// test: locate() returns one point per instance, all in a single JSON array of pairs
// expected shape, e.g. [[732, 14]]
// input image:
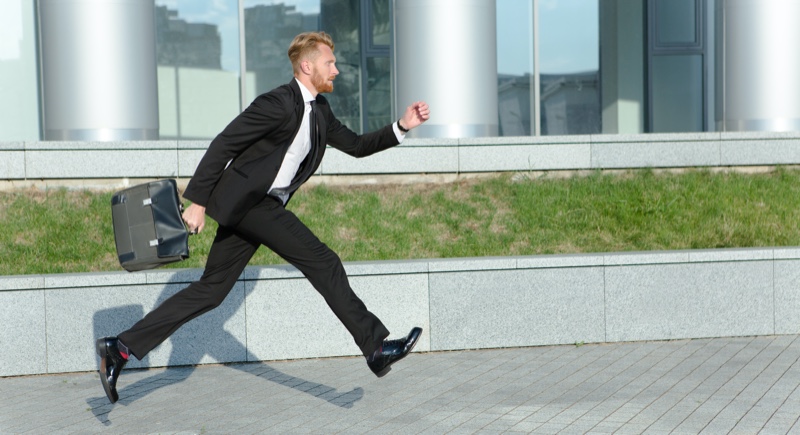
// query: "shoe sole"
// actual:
[[102, 351], [413, 338]]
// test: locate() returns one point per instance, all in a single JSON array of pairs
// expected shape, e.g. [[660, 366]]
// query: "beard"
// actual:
[[321, 85]]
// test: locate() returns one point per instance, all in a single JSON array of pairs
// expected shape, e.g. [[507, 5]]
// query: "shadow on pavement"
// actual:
[[188, 351]]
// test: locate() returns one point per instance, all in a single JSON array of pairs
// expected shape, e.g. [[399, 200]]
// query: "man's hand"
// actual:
[[195, 218], [416, 114]]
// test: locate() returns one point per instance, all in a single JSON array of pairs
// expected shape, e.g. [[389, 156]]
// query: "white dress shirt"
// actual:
[[298, 150]]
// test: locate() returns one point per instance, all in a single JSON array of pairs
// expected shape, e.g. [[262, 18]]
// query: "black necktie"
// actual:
[[312, 121]]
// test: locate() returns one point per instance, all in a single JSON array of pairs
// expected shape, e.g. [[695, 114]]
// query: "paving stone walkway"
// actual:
[[745, 385]]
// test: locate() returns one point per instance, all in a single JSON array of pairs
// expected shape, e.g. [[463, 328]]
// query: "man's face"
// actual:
[[323, 69]]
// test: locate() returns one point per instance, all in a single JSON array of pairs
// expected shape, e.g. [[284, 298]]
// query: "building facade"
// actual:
[[182, 69]]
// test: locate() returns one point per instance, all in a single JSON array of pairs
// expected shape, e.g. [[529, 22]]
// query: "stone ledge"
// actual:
[[12, 146], [98, 146], [171, 158], [405, 267]]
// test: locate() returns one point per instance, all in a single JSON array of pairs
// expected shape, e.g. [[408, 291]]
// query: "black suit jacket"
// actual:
[[255, 143]]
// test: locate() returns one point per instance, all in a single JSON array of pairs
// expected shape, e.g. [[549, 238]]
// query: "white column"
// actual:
[[445, 52], [760, 55], [98, 67]]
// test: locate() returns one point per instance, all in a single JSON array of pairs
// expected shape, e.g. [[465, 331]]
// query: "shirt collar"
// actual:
[[306, 93]]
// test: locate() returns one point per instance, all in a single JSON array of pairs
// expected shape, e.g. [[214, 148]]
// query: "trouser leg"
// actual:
[[280, 230], [227, 259]]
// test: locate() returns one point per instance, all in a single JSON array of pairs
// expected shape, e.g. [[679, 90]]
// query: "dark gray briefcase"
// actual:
[[148, 227]]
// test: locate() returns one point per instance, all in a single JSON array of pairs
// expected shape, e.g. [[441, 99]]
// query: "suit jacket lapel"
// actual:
[[299, 106]]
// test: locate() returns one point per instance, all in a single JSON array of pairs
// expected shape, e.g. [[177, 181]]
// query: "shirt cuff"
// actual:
[[399, 134]]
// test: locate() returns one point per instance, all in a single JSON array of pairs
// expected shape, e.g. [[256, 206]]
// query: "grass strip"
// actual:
[[61, 231]]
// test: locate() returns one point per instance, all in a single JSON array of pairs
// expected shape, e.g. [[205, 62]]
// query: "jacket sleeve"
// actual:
[[349, 142], [264, 114]]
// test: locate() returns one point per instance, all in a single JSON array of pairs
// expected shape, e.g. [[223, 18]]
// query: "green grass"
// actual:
[[58, 231]]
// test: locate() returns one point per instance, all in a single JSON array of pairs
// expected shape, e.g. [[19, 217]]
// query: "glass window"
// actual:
[[677, 94], [197, 50], [675, 22], [378, 93], [379, 11], [377, 80], [341, 19], [514, 66], [569, 66], [270, 27], [676, 69], [19, 96]]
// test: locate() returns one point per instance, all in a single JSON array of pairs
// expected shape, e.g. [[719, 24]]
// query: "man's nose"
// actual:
[[335, 71]]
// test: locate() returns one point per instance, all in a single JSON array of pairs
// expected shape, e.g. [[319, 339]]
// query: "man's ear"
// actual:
[[305, 66]]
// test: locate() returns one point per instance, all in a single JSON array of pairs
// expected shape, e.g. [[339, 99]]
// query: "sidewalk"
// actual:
[[721, 385]]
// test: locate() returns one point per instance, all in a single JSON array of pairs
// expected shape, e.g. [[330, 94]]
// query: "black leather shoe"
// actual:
[[381, 360], [111, 364]]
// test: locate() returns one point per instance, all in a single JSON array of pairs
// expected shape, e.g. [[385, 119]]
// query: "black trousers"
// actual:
[[271, 225]]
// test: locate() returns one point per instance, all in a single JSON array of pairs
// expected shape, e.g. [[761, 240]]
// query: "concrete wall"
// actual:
[[51, 321], [162, 159]]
